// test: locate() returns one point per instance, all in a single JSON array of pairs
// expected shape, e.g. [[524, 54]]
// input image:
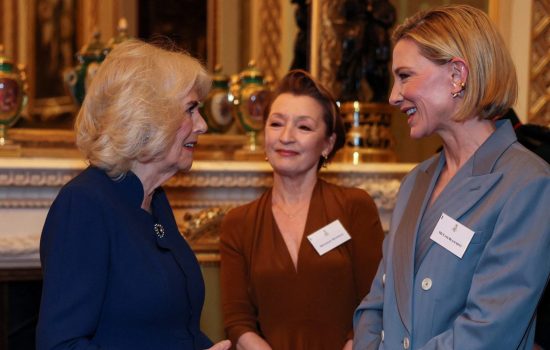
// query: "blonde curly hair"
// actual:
[[134, 104]]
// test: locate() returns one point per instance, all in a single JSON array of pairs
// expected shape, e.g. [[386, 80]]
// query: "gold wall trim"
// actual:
[[539, 98], [325, 43], [269, 60]]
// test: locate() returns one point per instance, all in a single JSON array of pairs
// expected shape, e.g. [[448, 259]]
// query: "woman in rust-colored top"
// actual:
[[290, 276]]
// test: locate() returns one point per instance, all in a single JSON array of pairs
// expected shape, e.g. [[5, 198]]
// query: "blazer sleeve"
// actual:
[[74, 252], [367, 319], [509, 278], [239, 312]]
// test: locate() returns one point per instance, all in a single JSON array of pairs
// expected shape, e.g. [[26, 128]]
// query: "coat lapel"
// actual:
[[184, 256], [472, 190], [181, 251], [477, 179], [404, 243]]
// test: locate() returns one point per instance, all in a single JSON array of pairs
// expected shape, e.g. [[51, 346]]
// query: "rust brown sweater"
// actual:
[[310, 307]]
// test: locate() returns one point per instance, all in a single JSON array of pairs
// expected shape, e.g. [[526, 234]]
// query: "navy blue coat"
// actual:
[[110, 282]]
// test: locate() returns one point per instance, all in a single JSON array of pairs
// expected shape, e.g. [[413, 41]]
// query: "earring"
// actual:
[[456, 94], [325, 160]]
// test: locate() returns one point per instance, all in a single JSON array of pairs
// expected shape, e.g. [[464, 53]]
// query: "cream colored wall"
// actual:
[[513, 18], [230, 24], [254, 32]]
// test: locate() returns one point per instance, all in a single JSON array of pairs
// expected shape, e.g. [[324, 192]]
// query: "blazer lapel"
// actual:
[[177, 248], [465, 196], [477, 177], [472, 189], [404, 243]]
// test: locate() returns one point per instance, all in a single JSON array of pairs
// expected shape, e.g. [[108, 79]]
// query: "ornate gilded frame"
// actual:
[[19, 25], [17, 34]]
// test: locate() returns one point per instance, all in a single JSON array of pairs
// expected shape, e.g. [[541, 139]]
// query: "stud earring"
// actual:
[[459, 92]]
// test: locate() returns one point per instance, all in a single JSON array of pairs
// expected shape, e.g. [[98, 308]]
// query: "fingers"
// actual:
[[222, 345]]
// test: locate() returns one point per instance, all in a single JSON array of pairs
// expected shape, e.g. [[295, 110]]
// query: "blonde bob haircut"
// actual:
[[462, 31], [134, 105]]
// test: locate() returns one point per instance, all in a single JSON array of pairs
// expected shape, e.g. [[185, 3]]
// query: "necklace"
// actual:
[[293, 215]]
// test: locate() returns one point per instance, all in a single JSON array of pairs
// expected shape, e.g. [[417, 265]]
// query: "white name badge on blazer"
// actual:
[[452, 235], [329, 237]]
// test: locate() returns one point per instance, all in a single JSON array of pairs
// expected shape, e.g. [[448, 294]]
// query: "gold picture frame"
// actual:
[[42, 35]]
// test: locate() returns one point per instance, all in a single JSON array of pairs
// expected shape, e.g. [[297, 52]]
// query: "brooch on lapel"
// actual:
[[159, 230]]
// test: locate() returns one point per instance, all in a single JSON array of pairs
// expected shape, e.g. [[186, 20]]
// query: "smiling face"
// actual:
[[422, 90], [295, 135], [180, 154]]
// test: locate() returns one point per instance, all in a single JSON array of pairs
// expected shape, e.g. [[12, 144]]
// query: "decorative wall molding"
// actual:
[[269, 59], [539, 99], [35, 178], [32, 183], [330, 44], [29, 185], [217, 179]]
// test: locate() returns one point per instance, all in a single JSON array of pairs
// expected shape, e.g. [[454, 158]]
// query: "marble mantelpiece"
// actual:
[[29, 185]]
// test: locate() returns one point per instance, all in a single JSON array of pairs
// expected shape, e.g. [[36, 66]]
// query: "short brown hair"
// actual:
[[463, 31]]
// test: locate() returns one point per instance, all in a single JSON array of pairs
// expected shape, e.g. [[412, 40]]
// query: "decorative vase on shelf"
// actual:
[[13, 98], [251, 96], [79, 77], [121, 35], [218, 103]]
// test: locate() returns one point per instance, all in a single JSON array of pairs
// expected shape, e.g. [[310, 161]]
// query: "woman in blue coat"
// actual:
[[117, 272], [466, 257]]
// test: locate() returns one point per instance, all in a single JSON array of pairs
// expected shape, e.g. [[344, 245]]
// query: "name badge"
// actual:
[[329, 237], [452, 235]]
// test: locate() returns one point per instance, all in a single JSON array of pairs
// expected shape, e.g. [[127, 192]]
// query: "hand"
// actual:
[[252, 341], [222, 345], [348, 345]]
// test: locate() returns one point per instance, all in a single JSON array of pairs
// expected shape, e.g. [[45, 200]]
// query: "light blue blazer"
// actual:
[[487, 298]]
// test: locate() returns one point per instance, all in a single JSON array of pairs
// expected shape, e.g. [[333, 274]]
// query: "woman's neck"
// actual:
[[150, 180], [289, 191], [463, 139]]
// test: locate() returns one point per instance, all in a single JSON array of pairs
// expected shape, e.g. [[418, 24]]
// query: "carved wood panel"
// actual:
[[539, 99]]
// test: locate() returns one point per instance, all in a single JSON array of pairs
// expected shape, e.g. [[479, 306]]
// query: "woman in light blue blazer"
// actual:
[[466, 258], [117, 272]]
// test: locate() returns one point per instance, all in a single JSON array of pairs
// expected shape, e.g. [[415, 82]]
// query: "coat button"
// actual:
[[383, 280], [382, 335], [426, 283], [406, 343]]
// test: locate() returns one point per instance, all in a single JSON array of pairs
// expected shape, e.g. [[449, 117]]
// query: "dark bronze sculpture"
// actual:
[[366, 49], [301, 44]]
